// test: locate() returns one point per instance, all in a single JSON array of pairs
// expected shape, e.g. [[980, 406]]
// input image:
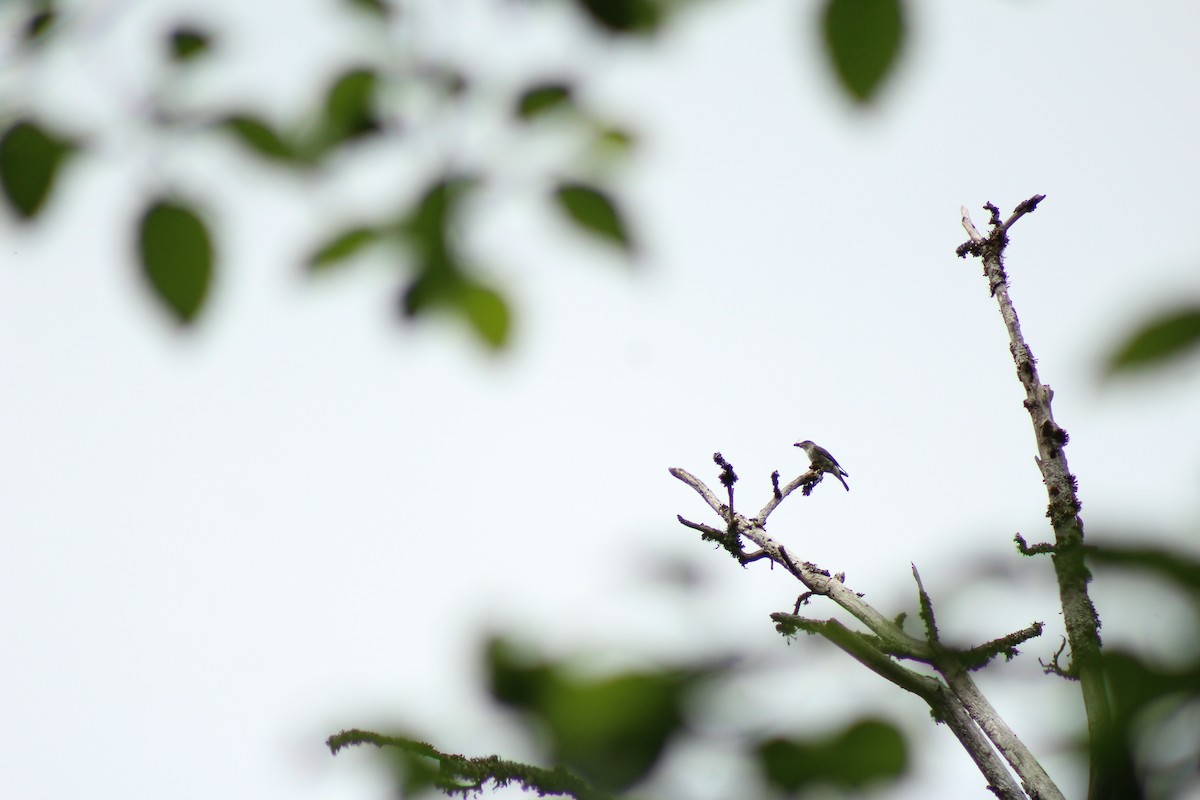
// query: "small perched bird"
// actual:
[[820, 459]]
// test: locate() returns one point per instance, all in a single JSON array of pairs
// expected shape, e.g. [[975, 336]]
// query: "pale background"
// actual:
[[220, 546]]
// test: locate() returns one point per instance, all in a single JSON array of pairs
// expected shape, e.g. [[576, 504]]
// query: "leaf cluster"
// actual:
[[360, 103]]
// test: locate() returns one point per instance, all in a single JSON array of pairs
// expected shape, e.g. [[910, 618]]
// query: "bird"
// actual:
[[819, 459]]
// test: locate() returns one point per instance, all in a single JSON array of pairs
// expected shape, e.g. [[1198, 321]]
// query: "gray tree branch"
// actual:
[[1109, 774], [886, 642]]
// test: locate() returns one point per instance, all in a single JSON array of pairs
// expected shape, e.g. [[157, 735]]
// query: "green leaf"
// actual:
[[615, 139], [443, 281], [30, 157], [624, 16], [614, 731], [866, 752], [177, 257], [1159, 341], [543, 98], [260, 138], [429, 224], [864, 39], [595, 212], [433, 288], [350, 106], [187, 43], [487, 312], [378, 7], [341, 247], [611, 730], [40, 23]]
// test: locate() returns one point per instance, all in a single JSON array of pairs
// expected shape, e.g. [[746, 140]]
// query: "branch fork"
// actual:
[[953, 698]]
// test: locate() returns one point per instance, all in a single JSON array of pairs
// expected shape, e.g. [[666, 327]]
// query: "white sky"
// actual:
[[219, 547]]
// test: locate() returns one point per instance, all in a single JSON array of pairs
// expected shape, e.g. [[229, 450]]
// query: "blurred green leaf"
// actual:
[[1168, 564], [40, 23], [864, 39], [595, 212], [378, 7], [342, 246], [615, 139], [1159, 341], [442, 281], [612, 730], [30, 157], [435, 287], [516, 677], [1145, 697], [1135, 684], [624, 16], [487, 312], [448, 290], [350, 107], [429, 224], [866, 752], [187, 43], [542, 98], [177, 257], [260, 138]]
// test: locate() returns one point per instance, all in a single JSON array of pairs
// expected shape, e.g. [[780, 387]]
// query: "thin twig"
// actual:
[[779, 495]]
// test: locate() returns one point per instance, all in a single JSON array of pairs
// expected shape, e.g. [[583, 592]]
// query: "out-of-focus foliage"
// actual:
[[30, 158], [39, 22], [594, 211], [612, 734], [372, 101], [346, 113], [864, 39], [612, 731], [188, 42], [1156, 705], [1163, 339], [868, 751], [380, 8], [543, 98], [626, 16], [177, 257]]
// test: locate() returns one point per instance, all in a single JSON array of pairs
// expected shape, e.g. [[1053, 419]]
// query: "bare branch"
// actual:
[[728, 476], [980, 655], [778, 496], [1023, 208], [972, 231], [706, 529], [1035, 780], [926, 605], [1026, 549], [1079, 614], [1054, 668], [950, 665], [957, 701], [944, 704], [702, 490]]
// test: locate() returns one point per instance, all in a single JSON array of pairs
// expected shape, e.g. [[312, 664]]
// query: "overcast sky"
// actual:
[[219, 546]]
